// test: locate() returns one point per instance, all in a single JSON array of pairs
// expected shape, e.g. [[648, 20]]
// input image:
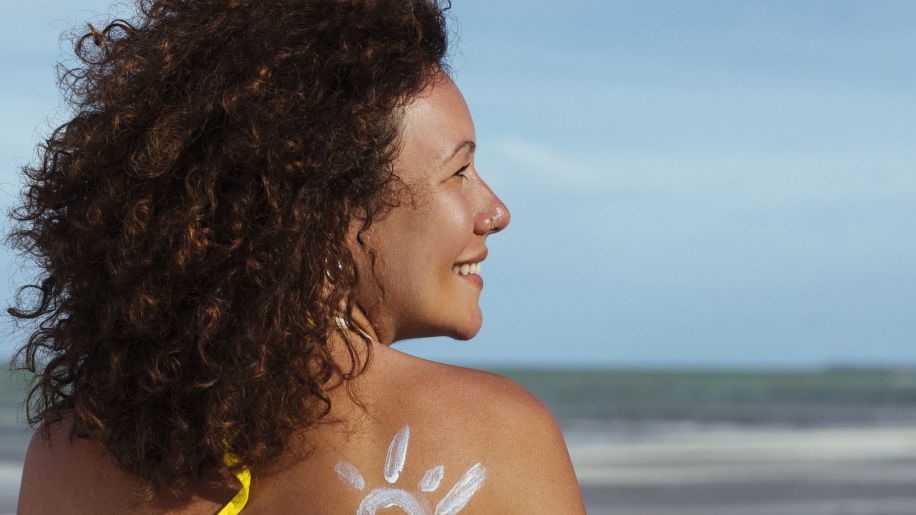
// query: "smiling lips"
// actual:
[[469, 272], [467, 268]]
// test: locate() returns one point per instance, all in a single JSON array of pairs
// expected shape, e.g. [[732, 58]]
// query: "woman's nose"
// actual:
[[494, 217]]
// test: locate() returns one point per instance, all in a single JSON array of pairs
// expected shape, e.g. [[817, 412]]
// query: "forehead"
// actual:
[[434, 123]]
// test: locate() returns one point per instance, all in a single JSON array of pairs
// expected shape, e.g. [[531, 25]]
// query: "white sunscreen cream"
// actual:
[[432, 478], [386, 497], [397, 453]]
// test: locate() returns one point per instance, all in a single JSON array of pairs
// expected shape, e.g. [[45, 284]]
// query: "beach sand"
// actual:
[[841, 471]]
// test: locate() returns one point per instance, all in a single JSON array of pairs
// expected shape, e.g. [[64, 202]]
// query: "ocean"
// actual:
[[626, 400], [665, 442]]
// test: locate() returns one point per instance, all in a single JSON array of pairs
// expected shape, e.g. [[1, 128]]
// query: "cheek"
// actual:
[[455, 225], [436, 234]]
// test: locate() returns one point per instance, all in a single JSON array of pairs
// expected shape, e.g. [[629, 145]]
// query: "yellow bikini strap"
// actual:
[[234, 507]]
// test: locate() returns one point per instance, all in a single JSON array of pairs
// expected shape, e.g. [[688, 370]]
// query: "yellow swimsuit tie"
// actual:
[[234, 507]]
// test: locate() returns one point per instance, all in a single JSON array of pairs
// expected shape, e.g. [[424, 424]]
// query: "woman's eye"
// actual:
[[460, 172]]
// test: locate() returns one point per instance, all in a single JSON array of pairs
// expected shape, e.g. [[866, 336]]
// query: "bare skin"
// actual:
[[457, 416]]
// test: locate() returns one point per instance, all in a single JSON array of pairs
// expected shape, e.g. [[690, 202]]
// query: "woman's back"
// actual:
[[433, 439]]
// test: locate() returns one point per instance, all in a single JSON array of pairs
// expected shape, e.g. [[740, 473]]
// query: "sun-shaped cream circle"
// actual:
[[388, 497]]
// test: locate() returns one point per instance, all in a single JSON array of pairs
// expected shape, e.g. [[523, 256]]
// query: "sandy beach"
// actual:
[[840, 471]]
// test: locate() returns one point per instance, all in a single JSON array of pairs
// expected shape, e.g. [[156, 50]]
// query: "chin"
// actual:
[[465, 333]]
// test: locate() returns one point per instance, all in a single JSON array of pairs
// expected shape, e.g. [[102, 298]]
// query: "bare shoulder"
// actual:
[[494, 422], [490, 397], [437, 439], [71, 470], [74, 476]]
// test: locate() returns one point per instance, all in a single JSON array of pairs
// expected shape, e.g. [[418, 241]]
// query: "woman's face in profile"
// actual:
[[419, 245]]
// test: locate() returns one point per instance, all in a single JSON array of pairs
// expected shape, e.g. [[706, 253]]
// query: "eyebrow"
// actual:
[[464, 144]]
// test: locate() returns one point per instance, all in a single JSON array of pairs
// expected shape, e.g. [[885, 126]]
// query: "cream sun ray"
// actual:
[[432, 478], [462, 492], [349, 475], [397, 453]]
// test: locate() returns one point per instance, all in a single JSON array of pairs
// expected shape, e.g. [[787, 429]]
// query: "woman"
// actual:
[[253, 200]]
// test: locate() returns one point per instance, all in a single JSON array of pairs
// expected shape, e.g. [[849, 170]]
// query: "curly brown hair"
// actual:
[[185, 217]]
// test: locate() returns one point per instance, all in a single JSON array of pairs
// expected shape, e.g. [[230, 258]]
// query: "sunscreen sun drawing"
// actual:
[[389, 497]]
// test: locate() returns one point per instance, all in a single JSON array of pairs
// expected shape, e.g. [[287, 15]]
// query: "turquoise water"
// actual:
[[13, 435], [794, 398]]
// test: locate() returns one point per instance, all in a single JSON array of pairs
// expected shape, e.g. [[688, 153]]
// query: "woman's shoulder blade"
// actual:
[[445, 438]]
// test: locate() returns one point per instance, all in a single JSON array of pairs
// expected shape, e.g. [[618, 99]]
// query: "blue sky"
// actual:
[[703, 183]]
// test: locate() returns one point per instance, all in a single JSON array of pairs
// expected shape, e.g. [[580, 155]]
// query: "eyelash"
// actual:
[[461, 170]]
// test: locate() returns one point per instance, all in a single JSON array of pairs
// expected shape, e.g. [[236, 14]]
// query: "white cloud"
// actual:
[[762, 178]]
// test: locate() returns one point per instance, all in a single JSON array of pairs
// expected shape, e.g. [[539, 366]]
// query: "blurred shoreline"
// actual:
[[789, 471], [834, 441]]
